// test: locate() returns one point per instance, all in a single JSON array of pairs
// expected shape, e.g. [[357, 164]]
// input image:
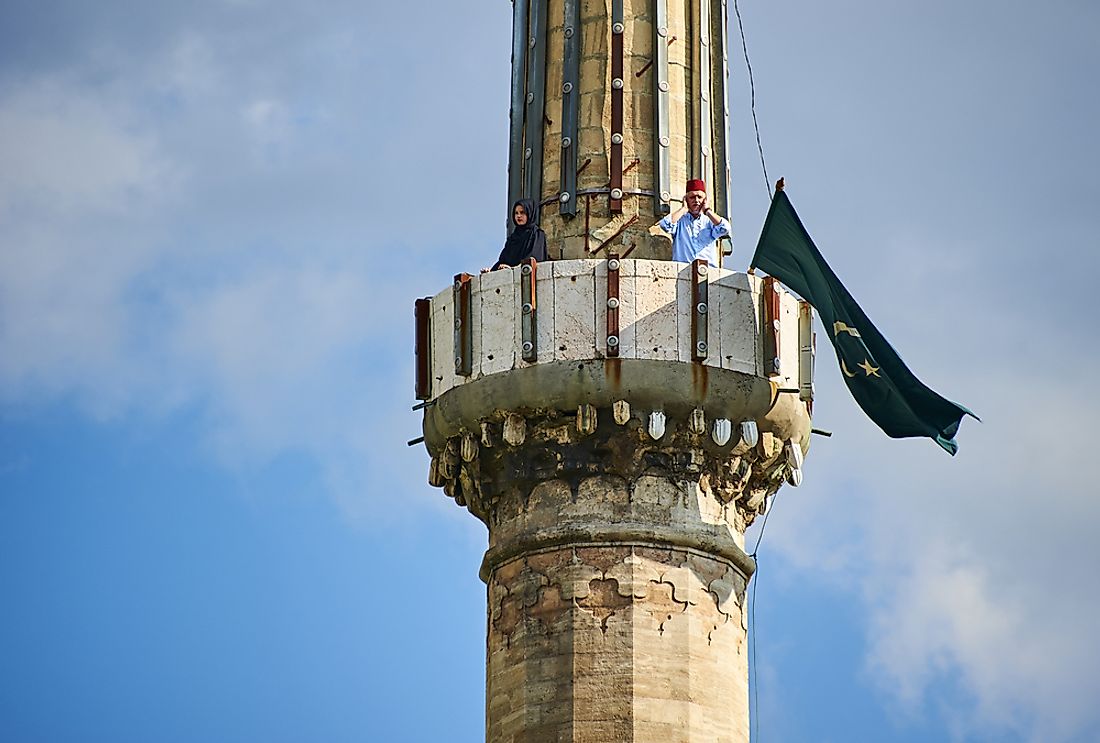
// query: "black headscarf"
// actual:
[[526, 241]]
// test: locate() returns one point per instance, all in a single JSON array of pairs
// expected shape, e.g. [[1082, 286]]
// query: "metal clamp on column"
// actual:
[[662, 190], [704, 125], [722, 116], [613, 306], [617, 84], [464, 336], [528, 323], [700, 308], [771, 326], [518, 107], [570, 96], [536, 101], [424, 348], [807, 351]]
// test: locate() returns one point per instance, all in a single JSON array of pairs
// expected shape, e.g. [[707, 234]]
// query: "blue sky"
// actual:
[[214, 217]]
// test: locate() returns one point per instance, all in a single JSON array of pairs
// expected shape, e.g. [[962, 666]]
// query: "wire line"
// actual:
[[752, 99], [754, 713]]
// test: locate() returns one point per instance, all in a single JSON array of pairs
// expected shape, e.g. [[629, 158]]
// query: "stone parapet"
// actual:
[[569, 312]]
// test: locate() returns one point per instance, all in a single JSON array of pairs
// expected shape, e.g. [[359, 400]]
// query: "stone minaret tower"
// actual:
[[615, 422], [615, 104]]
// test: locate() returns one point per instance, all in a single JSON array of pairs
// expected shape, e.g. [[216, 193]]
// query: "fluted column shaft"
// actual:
[[570, 136]]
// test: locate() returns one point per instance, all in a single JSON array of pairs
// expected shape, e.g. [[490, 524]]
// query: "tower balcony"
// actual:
[[672, 348]]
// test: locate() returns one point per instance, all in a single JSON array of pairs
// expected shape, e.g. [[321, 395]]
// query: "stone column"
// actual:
[[616, 575], [616, 584]]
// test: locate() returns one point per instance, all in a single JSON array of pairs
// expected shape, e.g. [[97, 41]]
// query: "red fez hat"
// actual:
[[696, 184]]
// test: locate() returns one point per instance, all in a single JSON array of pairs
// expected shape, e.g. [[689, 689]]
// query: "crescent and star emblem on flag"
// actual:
[[868, 368], [872, 371]]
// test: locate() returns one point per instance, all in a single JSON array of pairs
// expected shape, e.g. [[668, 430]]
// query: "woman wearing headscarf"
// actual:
[[527, 239]]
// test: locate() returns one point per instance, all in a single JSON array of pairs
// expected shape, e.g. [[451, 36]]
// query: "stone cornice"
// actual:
[[715, 543]]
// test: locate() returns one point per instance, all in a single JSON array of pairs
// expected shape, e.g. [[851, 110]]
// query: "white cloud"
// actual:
[[116, 295], [64, 150], [1022, 665], [975, 572], [78, 185]]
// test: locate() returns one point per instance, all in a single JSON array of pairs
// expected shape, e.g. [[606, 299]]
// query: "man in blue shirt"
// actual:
[[694, 227]]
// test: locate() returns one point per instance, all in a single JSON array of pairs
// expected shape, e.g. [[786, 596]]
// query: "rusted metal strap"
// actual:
[[662, 190], [807, 351], [535, 100], [700, 309], [464, 314], [518, 108], [771, 326], [621, 230], [612, 306], [570, 95], [617, 85], [424, 348], [528, 323]]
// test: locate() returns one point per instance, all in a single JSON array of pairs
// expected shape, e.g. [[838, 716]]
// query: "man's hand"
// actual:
[[710, 214], [675, 216]]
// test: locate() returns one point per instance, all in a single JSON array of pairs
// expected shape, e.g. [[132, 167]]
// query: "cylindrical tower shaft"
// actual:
[[615, 104], [616, 608]]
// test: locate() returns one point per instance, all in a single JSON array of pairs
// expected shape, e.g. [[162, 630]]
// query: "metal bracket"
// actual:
[[770, 300], [617, 85], [722, 116], [702, 92], [528, 322], [464, 337], [807, 351], [424, 348], [518, 108], [570, 97], [536, 100], [700, 309], [613, 306], [661, 127]]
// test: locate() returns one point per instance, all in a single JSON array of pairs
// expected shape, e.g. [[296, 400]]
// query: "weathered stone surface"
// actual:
[[613, 470], [630, 642], [654, 318], [616, 581]]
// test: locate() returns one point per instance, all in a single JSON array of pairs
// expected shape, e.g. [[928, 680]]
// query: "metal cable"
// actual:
[[754, 712], [752, 99]]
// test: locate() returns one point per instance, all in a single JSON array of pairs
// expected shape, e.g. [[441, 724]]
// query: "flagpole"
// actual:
[[778, 187]]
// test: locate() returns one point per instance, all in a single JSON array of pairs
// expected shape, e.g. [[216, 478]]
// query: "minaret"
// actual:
[[617, 423], [614, 105]]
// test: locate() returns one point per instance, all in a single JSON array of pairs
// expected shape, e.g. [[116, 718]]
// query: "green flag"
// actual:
[[878, 379]]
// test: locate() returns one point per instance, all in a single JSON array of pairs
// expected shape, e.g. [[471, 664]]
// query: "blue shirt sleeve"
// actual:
[[667, 225], [715, 231]]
